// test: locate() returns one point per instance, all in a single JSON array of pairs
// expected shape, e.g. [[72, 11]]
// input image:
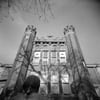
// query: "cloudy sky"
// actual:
[[84, 15]]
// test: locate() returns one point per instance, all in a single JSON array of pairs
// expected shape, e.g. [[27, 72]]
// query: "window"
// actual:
[[37, 54], [62, 56], [45, 54], [53, 54], [53, 57], [36, 57], [45, 57], [65, 78]]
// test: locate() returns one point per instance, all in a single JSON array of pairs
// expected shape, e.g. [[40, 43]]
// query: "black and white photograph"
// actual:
[[49, 49]]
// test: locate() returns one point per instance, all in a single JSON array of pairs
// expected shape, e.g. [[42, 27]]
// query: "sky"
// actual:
[[84, 15]]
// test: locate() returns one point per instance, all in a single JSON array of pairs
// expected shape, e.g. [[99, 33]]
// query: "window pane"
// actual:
[[36, 58], [53, 57], [45, 57], [53, 54], [62, 56], [45, 54]]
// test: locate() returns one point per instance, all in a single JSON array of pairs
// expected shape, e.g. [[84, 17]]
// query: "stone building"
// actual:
[[58, 61]]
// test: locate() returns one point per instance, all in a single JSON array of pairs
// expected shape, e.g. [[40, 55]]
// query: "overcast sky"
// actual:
[[84, 15]]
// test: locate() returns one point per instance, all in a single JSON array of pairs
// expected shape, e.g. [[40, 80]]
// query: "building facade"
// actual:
[[58, 62], [49, 57]]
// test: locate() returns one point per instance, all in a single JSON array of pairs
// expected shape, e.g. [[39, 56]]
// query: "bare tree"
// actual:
[[40, 8]]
